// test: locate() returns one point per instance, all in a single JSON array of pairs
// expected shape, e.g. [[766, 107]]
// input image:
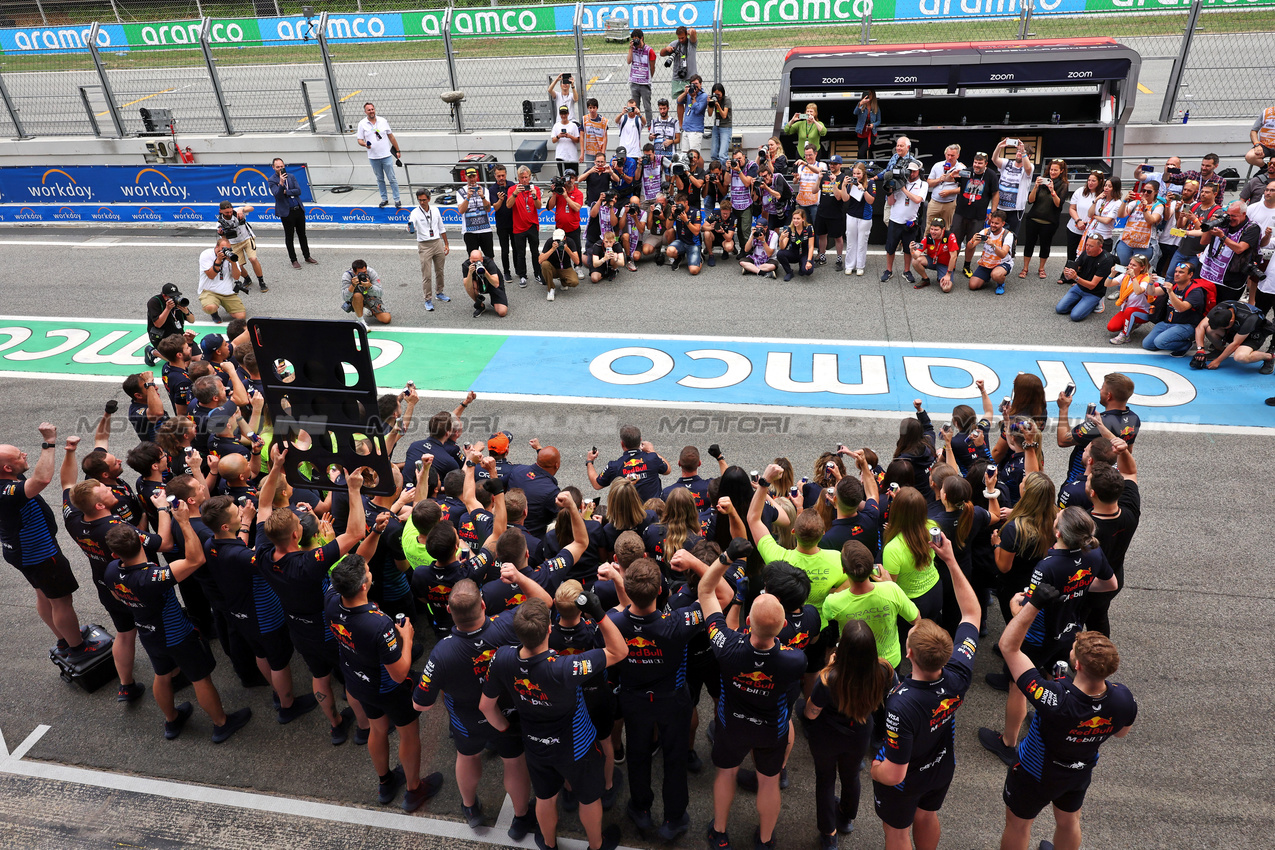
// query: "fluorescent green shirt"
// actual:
[[823, 567], [898, 562], [413, 549], [880, 608]]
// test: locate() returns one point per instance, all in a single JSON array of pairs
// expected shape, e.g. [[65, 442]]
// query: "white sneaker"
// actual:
[[859, 272], [849, 271], [1113, 295], [1119, 339], [549, 297], [362, 322], [1100, 308]]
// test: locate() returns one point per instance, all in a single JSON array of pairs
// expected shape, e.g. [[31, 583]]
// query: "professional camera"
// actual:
[[242, 286], [658, 211], [176, 297], [1253, 270], [635, 208], [635, 43], [678, 165], [679, 210], [1217, 222], [362, 281], [713, 219], [228, 227], [230, 255], [893, 179], [712, 99], [609, 198], [558, 184]]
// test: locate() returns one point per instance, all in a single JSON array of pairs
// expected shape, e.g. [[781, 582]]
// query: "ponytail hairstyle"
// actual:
[[1076, 529], [957, 493]]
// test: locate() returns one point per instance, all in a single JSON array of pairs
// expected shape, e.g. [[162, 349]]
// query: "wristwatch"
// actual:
[[48, 446]]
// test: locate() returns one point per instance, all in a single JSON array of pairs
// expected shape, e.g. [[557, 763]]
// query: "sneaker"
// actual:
[[849, 271], [522, 283], [341, 732], [414, 798], [130, 693], [362, 322], [821, 260], [480, 307], [444, 298], [1119, 339], [671, 829], [1101, 308], [886, 275], [858, 272], [758, 844], [1000, 289], [303, 704], [619, 753], [998, 681], [398, 205], [1046, 845], [841, 263], [718, 840], [966, 271], [712, 261], [383, 204], [773, 275], [828, 842], [676, 264], [522, 824], [924, 282], [549, 297], [609, 795], [388, 787], [429, 306], [993, 742], [150, 355], [234, 722], [173, 728], [85, 651], [693, 762], [1267, 368], [631, 266], [845, 825], [508, 277], [909, 277], [540, 842], [1113, 295], [660, 258], [216, 317], [1181, 352], [610, 837], [641, 818], [261, 285], [361, 735]]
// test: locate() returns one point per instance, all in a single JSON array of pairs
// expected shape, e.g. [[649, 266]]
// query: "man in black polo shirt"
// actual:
[[1186, 302], [858, 514], [165, 314], [757, 673], [688, 463], [168, 637], [978, 191], [376, 659], [300, 577], [514, 587], [101, 465], [1116, 420], [502, 211], [639, 463], [482, 280], [1073, 718], [1087, 275], [145, 405], [1116, 512], [176, 351], [458, 667], [560, 740], [912, 771]]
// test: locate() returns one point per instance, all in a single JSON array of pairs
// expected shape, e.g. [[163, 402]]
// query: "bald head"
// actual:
[[476, 257], [548, 459], [11, 461], [766, 617], [232, 467]]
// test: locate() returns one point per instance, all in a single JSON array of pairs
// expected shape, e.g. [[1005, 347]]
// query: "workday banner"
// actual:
[[151, 184]]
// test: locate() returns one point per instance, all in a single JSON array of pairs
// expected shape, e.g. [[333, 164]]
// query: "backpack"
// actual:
[[1210, 293]]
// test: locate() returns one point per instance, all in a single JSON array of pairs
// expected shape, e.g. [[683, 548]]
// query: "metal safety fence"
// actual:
[[84, 67]]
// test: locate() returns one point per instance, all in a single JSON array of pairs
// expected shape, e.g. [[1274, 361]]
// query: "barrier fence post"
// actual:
[[1025, 19], [111, 106], [581, 79], [865, 32], [205, 45], [13, 111], [717, 41], [451, 67], [329, 74], [43, 17], [1179, 63]]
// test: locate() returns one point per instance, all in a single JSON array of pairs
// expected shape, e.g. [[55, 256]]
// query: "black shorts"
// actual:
[[897, 808], [1026, 796], [121, 615], [52, 576], [318, 654], [191, 656], [395, 704], [964, 228], [584, 775], [702, 672], [817, 650], [275, 647], [834, 227], [896, 233], [732, 745], [603, 707], [474, 737], [497, 295]]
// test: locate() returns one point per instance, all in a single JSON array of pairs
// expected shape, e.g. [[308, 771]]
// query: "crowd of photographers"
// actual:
[[839, 599]]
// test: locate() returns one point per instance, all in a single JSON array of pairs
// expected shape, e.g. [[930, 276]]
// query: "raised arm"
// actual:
[[356, 522], [579, 531], [613, 642], [42, 474], [971, 611], [70, 470], [193, 548], [265, 499], [758, 528]]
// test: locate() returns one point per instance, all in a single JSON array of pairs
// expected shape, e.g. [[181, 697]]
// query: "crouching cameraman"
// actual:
[[166, 313], [605, 258], [220, 282], [361, 290], [685, 246], [481, 279]]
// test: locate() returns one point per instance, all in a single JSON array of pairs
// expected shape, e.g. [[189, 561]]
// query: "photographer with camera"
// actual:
[[1013, 161], [1234, 329], [502, 211], [650, 174], [482, 279], [739, 176], [997, 258], [686, 174], [809, 174], [625, 168], [759, 251], [1202, 207], [1187, 304], [658, 228], [166, 313], [361, 290], [632, 129], [719, 230], [382, 149], [905, 192], [776, 194], [475, 218], [797, 245], [219, 282], [719, 109], [1088, 274], [605, 257], [563, 93], [680, 57], [692, 103], [603, 217], [686, 240], [567, 199], [290, 211], [524, 199], [558, 260], [978, 188], [631, 222], [666, 131], [1230, 243], [232, 223], [566, 140], [641, 61], [432, 247], [807, 127]]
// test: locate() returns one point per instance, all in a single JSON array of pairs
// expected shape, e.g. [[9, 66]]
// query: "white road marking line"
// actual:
[[31, 741], [506, 816]]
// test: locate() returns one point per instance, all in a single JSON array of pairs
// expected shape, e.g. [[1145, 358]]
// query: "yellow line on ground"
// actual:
[[589, 84], [139, 100], [319, 112], [1144, 89]]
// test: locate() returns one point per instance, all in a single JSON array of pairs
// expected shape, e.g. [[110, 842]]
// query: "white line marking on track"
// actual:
[[31, 741]]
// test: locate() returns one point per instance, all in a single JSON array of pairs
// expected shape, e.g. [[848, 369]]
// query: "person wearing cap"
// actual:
[[566, 139], [563, 92], [566, 208], [935, 251], [666, 130], [498, 448], [807, 127], [558, 259], [475, 218], [641, 61], [1236, 330], [165, 315], [481, 279], [632, 127], [219, 278], [902, 207], [431, 246]]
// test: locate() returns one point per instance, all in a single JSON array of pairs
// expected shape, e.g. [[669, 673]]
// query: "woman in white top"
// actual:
[[1081, 201]]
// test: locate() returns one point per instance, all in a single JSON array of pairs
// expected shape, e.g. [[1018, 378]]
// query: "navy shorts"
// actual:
[[1026, 796], [897, 808], [731, 745], [477, 737], [690, 254], [191, 656], [583, 775], [318, 654], [395, 704], [275, 647], [121, 615], [52, 576]]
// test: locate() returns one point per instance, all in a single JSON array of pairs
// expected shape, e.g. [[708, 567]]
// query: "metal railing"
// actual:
[[223, 70]]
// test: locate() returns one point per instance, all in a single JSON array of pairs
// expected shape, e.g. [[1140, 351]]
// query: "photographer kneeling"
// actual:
[[558, 260], [219, 282], [759, 251], [166, 313], [686, 240], [361, 290], [481, 278], [605, 258]]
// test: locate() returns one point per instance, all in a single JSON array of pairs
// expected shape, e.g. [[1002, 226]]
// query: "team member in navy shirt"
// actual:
[[457, 668], [1116, 418], [758, 674], [1073, 718], [145, 405], [444, 428], [912, 771], [639, 463], [858, 514], [168, 636], [560, 740], [539, 486], [688, 465], [300, 577], [376, 659], [514, 586], [176, 351]]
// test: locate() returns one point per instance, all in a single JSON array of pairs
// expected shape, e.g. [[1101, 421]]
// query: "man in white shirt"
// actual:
[[218, 279], [902, 207], [1016, 178], [566, 140], [375, 135], [631, 126], [944, 189], [1261, 294], [431, 247], [562, 91]]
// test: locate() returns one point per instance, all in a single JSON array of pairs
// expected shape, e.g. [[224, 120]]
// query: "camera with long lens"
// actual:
[[558, 184], [679, 210], [228, 227], [893, 179], [712, 219], [1252, 270], [1217, 222], [230, 255], [609, 198], [678, 165], [635, 209]]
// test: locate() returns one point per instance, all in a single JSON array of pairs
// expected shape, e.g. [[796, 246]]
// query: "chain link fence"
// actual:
[[1224, 45]]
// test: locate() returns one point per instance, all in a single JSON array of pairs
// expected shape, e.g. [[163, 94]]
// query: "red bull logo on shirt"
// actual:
[[1094, 726], [799, 640], [1078, 580], [754, 681], [343, 635], [530, 691], [482, 661], [944, 711]]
